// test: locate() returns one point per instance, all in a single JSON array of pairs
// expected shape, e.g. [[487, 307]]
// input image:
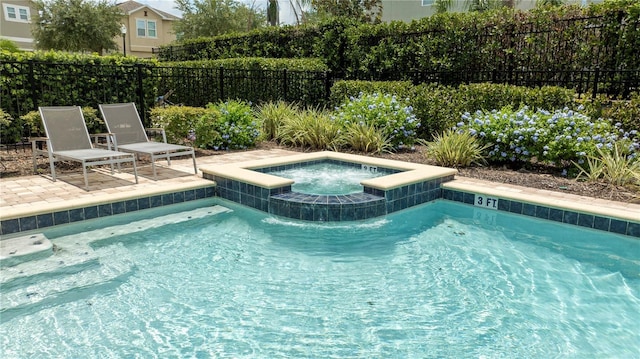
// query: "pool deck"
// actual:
[[32, 195]]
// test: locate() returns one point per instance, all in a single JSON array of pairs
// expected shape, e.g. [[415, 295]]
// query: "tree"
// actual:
[[206, 18], [484, 5], [542, 3], [361, 10], [76, 25], [273, 16]]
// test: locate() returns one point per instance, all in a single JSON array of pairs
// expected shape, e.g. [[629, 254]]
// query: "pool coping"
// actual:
[[411, 172], [403, 185], [547, 205]]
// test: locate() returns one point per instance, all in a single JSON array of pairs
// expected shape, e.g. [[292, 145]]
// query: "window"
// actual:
[[146, 28], [427, 2], [16, 13]]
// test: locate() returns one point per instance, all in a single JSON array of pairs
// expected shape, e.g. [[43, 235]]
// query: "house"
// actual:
[[15, 22], [144, 28], [408, 10]]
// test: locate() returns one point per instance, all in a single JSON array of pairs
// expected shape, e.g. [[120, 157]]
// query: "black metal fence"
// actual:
[[200, 86], [27, 85]]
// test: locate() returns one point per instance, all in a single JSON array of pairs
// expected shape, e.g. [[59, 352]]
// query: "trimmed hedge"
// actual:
[[440, 107], [452, 47], [31, 79]]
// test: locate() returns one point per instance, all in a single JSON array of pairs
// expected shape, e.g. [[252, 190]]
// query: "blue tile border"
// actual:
[[587, 220], [44, 220]]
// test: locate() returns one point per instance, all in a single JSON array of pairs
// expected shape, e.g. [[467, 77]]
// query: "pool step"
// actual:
[[65, 279], [21, 249], [75, 264]]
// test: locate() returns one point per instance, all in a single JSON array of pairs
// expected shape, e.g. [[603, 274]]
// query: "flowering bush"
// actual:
[[555, 138], [228, 125], [395, 118]]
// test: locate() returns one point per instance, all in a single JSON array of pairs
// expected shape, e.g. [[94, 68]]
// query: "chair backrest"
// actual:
[[65, 128], [123, 121]]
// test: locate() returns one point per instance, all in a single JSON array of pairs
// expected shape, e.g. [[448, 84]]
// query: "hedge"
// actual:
[[439, 107], [452, 46]]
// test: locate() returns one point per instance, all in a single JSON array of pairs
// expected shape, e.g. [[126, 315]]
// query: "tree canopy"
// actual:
[[205, 18], [360, 10], [76, 25]]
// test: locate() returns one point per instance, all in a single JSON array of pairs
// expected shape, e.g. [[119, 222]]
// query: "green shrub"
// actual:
[[488, 96], [616, 166], [311, 128], [33, 122], [343, 90], [60, 78], [8, 45], [177, 121], [558, 138], [394, 117], [625, 112], [456, 149], [227, 125], [272, 116], [366, 138], [438, 107], [10, 130]]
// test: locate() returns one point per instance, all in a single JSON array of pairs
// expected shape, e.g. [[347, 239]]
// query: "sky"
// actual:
[[286, 15]]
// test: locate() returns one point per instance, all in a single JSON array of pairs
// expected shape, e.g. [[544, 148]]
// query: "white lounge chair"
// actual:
[[124, 123], [68, 140]]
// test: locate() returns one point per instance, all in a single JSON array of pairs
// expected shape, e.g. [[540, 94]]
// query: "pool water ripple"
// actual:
[[425, 282]]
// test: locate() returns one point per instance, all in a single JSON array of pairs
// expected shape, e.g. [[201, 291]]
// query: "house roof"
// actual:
[[131, 6]]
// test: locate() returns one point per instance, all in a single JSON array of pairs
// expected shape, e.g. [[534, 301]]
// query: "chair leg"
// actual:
[[112, 169], [195, 168], [86, 179], [153, 166], [33, 157], [52, 167], [135, 170]]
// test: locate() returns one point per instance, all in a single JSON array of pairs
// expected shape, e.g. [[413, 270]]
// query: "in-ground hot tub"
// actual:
[[402, 185]]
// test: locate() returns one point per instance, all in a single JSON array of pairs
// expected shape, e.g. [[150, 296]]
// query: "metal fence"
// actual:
[[615, 83], [200, 86], [27, 85]]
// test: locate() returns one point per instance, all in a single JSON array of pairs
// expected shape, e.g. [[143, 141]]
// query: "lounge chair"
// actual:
[[68, 140], [124, 123]]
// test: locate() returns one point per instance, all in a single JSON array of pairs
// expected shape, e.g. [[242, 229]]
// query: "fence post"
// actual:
[[327, 86], [284, 84], [32, 83], [596, 79], [143, 107], [221, 82]]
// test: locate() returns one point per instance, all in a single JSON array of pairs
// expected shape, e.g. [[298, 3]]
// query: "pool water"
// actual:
[[438, 280], [327, 178]]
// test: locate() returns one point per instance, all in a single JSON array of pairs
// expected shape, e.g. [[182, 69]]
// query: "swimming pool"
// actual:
[[437, 280]]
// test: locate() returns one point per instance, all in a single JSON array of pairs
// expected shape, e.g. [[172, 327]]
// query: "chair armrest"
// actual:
[[104, 140], [155, 130], [36, 145]]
